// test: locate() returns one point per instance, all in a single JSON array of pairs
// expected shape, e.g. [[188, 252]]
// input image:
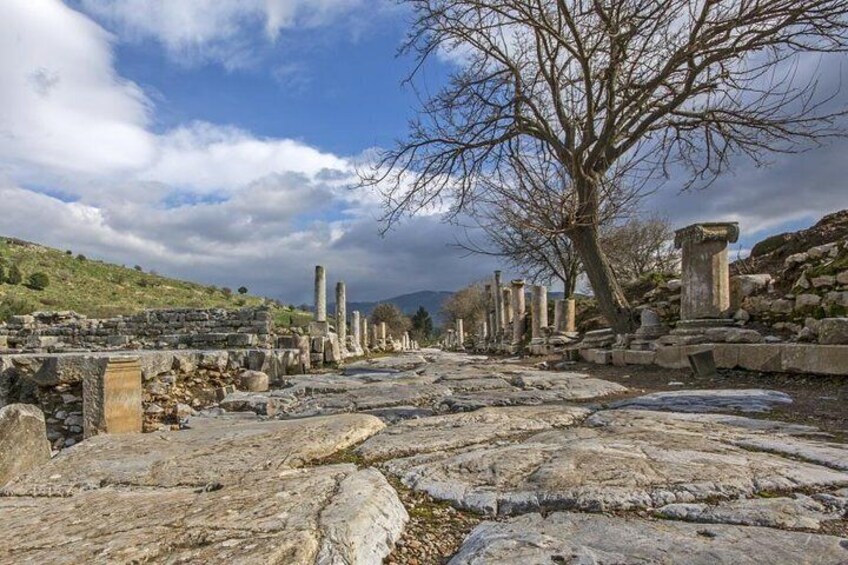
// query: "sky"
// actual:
[[216, 140]]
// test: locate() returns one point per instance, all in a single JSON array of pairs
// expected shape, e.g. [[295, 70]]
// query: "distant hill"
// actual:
[[431, 300], [99, 289]]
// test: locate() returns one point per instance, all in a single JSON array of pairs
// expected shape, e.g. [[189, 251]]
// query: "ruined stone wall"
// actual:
[[174, 382], [152, 329]]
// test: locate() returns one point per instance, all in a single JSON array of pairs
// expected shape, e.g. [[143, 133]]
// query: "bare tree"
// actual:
[[468, 304], [640, 246], [396, 322], [600, 90]]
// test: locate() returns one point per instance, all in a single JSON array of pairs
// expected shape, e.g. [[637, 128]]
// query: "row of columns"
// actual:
[[360, 336]]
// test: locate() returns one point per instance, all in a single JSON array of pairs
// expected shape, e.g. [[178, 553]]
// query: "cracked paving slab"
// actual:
[[619, 460], [722, 400], [564, 537]]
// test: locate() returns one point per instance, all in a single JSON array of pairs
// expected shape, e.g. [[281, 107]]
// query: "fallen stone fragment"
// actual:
[[739, 400], [459, 430], [23, 440], [253, 381], [604, 540], [264, 404]]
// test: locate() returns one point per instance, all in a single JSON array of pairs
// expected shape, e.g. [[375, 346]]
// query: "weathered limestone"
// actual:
[[741, 400], [23, 440], [341, 315], [564, 537], [364, 333], [519, 312], [112, 398], [320, 294], [507, 309], [460, 334], [253, 381], [383, 340], [706, 281], [540, 310]]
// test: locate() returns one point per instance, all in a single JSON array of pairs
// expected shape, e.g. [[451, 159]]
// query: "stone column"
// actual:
[[705, 289], [570, 315], [383, 334], [365, 341], [540, 310], [518, 311], [559, 315], [460, 333], [356, 328], [341, 313], [484, 330], [499, 317], [506, 294], [320, 294]]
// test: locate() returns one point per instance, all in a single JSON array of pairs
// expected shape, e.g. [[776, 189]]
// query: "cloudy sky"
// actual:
[[214, 141]]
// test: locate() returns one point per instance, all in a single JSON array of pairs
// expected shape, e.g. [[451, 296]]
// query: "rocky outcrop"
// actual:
[[23, 440]]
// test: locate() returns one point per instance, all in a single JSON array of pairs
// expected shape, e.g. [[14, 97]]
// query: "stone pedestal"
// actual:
[[705, 289], [519, 312], [540, 310], [111, 398], [320, 294]]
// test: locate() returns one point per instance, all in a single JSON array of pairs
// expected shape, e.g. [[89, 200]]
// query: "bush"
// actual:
[[69, 252], [242, 290], [138, 268], [14, 276], [38, 281], [81, 257], [13, 307], [228, 292], [2, 274]]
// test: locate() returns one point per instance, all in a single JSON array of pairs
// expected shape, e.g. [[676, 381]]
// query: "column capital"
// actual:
[[708, 231]]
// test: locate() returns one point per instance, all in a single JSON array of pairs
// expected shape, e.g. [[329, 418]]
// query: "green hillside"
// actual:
[[101, 290]]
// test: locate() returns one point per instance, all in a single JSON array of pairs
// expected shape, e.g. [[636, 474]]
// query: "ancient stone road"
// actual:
[[557, 474]]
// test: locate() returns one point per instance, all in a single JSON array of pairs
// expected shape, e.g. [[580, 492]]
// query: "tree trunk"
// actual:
[[608, 293]]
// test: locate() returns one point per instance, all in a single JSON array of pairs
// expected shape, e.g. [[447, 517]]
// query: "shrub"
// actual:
[[69, 252], [242, 290], [14, 276], [81, 257], [228, 292], [38, 281], [138, 268], [14, 306], [2, 274]]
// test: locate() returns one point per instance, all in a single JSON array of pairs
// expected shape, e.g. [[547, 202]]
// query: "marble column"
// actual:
[[559, 315], [356, 328], [383, 334], [499, 317], [341, 313], [540, 310], [570, 315], [460, 333], [518, 311], [320, 294], [365, 337], [705, 292]]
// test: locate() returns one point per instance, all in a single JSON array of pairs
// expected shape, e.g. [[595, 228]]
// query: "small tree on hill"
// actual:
[[38, 281], [469, 304], [14, 276], [242, 290], [2, 273]]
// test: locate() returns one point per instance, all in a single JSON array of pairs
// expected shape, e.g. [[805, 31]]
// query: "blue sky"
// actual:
[[215, 140]]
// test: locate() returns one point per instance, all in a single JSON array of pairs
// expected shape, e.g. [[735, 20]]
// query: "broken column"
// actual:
[[570, 315], [320, 294], [460, 334], [356, 329], [539, 310], [341, 315], [111, 398], [705, 292], [506, 296], [518, 311], [365, 337], [559, 316], [383, 341]]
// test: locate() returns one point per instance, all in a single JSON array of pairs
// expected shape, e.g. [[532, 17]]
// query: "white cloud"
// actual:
[[62, 106], [197, 31]]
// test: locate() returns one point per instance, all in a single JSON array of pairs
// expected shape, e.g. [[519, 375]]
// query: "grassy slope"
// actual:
[[98, 289]]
